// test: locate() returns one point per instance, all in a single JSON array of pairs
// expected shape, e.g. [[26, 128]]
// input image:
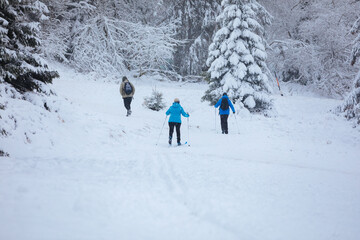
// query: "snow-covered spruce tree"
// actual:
[[155, 102], [351, 107], [23, 72], [237, 56], [21, 64]]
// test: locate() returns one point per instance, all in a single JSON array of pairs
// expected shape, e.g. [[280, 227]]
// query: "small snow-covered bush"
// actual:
[[155, 101]]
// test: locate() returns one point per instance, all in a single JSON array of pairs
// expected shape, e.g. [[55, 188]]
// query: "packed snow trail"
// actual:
[[294, 176]]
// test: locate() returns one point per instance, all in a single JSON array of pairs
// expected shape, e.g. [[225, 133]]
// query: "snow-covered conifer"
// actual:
[[21, 64], [155, 102], [237, 56], [23, 71]]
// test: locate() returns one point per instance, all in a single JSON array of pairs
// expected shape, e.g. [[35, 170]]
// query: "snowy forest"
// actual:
[[290, 67], [311, 43]]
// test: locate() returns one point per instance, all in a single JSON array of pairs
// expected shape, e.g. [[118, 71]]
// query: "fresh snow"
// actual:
[[92, 173], [236, 23], [250, 102]]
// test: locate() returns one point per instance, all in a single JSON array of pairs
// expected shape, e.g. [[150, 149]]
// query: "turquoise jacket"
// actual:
[[175, 112]]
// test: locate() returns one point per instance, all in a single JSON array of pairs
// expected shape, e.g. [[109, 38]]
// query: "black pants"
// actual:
[[224, 123], [127, 102], [171, 130]]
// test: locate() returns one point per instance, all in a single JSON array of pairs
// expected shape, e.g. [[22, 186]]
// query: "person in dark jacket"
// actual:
[[175, 112], [224, 111], [127, 91]]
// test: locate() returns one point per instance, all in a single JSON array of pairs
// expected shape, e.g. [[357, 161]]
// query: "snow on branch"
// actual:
[[107, 45], [356, 48]]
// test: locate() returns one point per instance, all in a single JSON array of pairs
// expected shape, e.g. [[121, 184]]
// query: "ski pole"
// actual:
[[161, 130], [277, 80], [188, 126], [237, 126], [215, 120]]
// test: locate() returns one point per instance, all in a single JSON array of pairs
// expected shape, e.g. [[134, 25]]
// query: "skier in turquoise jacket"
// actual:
[[175, 112], [224, 111]]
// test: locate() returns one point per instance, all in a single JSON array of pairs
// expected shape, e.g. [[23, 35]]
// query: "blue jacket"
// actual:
[[227, 111], [175, 112]]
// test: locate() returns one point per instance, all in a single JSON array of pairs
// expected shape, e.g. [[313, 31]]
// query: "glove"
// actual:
[[233, 112], [188, 114]]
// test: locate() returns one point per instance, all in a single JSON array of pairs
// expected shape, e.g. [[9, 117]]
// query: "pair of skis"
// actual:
[[177, 145]]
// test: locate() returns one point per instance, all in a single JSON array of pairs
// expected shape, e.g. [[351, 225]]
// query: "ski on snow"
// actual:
[[176, 145]]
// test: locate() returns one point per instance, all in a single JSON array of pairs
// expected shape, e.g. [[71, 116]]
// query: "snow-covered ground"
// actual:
[[92, 173]]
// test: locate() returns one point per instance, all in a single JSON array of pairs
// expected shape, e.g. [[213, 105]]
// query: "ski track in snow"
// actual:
[[292, 176]]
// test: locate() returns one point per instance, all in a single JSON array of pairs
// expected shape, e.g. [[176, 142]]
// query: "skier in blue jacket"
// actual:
[[175, 112], [224, 111]]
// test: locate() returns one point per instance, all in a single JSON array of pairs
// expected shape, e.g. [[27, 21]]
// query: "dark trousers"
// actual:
[[171, 130], [127, 102], [224, 123]]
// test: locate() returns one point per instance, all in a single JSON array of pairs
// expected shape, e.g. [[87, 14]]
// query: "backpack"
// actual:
[[224, 104], [128, 88]]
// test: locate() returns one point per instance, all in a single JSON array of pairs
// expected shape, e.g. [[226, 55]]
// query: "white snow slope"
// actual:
[[95, 174]]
